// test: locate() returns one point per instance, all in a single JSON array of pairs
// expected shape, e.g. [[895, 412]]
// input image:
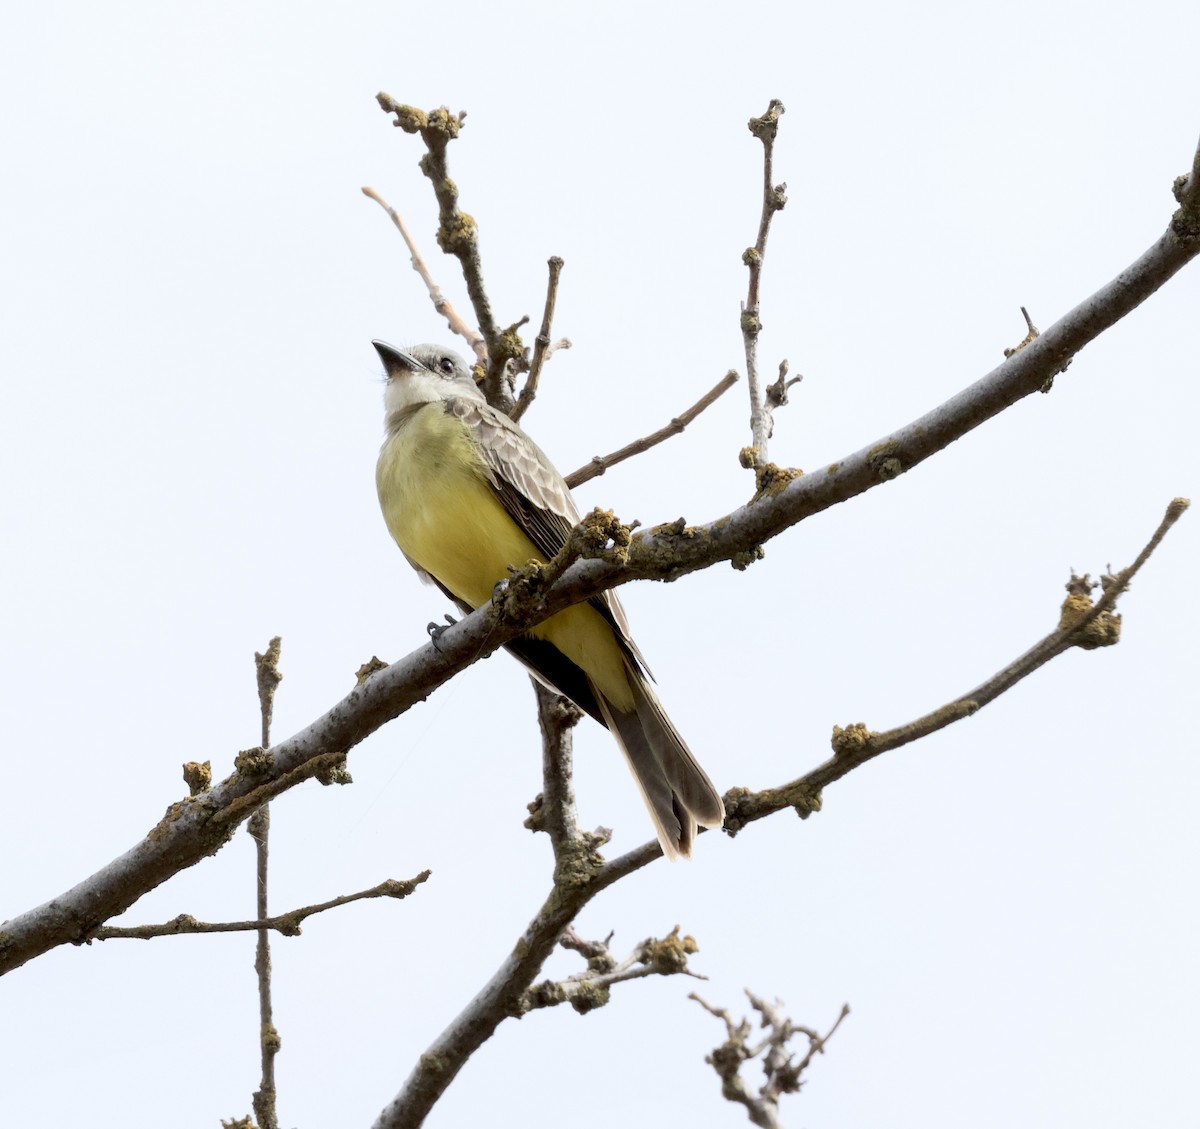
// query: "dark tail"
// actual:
[[678, 793]]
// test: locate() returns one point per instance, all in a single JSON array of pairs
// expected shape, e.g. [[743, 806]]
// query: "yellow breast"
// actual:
[[443, 513]]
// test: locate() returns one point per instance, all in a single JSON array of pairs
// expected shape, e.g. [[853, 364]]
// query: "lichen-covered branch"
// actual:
[[588, 990]]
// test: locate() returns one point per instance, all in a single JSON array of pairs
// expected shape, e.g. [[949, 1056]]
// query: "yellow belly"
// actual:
[[444, 515]]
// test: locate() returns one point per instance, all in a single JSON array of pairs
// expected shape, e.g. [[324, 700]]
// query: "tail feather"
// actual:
[[676, 790]]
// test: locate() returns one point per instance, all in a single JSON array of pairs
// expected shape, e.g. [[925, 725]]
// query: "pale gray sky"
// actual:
[[190, 283]]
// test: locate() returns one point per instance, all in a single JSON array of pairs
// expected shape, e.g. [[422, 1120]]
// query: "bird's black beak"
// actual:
[[396, 362]]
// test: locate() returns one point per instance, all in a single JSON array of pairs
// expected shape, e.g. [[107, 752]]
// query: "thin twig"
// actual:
[[601, 463], [541, 344], [774, 199], [264, 1100], [288, 924], [776, 396], [441, 303]]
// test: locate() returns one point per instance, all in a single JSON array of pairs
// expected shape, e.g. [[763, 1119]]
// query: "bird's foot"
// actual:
[[437, 630]]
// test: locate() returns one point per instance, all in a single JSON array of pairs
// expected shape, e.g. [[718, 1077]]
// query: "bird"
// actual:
[[468, 496]]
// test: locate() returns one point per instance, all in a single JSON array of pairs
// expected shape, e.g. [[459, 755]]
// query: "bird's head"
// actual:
[[424, 374]]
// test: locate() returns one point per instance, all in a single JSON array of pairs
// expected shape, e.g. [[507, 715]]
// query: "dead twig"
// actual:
[[441, 303], [542, 345], [288, 924], [601, 463]]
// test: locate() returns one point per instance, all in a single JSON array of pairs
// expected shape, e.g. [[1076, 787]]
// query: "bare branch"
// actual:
[[542, 346], [601, 463], [441, 303], [288, 924], [774, 199]]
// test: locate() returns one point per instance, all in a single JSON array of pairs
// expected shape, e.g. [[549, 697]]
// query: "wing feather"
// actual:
[[535, 495]]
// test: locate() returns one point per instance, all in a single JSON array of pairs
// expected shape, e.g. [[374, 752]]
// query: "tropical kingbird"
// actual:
[[467, 495]]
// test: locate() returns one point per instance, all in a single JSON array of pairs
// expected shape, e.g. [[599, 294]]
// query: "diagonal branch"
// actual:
[[1081, 624], [598, 465], [542, 345], [441, 303]]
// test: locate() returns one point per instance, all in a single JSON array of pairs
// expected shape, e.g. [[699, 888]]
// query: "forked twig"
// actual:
[[586, 991]]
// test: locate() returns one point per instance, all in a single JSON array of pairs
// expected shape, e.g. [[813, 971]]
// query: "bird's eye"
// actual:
[[446, 365]]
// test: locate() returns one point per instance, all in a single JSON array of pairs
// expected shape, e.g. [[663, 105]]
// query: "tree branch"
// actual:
[[554, 809], [287, 924], [441, 303], [458, 235], [266, 667], [1081, 624], [542, 345], [774, 198], [601, 463], [586, 991]]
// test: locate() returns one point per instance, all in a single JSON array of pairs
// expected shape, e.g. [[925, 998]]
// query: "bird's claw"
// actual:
[[437, 630]]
